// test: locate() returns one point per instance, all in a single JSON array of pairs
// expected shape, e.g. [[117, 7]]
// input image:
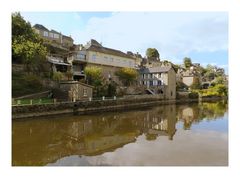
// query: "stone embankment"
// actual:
[[87, 107]]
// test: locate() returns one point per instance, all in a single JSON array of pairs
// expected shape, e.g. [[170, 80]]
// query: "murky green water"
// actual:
[[193, 134]]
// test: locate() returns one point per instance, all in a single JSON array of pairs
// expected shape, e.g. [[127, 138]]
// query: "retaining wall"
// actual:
[[86, 107]]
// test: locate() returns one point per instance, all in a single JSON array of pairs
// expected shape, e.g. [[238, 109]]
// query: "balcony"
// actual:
[[80, 58]]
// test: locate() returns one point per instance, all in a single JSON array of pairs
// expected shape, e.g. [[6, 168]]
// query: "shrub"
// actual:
[[57, 76], [193, 95]]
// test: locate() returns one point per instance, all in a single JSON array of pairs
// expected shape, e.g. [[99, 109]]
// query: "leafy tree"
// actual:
[[152, 53], [127, 75], [94, 75], [219, 80], [187, 62], [27, 46]]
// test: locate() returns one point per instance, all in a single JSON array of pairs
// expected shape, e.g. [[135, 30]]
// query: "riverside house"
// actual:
[[159, 80], [94, 54]]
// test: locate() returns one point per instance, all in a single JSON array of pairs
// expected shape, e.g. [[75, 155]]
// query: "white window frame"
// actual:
[[45, 33], [56, 36], [50, 35]]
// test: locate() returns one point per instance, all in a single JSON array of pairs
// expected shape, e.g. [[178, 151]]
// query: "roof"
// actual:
[[41, 27], [97, 47], [67, 37], [54, 31], [158, 69], [76, 82]]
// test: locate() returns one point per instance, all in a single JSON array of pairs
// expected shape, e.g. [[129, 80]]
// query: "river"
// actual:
[[194, 134]]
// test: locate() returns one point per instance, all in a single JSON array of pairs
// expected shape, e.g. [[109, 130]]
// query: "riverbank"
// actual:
[[88, 107]]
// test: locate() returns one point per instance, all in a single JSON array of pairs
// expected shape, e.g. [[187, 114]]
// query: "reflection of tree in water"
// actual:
[[195, 113]]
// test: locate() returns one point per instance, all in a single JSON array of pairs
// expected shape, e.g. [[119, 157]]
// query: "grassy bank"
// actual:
[[24, 84]]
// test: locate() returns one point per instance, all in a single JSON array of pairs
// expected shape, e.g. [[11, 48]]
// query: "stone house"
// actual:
[[188, 76], [55, 37], [159, 80], [76, 91]]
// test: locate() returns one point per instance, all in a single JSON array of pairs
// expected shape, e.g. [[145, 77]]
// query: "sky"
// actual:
[[202, 36]]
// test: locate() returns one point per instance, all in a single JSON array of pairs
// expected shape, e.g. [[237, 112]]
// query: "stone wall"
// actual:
[[126, 102], [85, 107]]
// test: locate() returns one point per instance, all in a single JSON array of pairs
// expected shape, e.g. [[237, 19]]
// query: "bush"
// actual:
[[32, 81], [57, 76], [193, 95]]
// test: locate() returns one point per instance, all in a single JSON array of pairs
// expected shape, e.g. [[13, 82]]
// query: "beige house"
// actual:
[[189, 76], [94, 54], [159, 80], [55, 37]]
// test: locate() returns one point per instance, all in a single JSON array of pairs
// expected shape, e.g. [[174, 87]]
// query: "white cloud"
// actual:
[[173, 34]]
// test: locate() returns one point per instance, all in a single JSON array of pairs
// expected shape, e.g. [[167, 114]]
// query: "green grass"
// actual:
[[34, 101]]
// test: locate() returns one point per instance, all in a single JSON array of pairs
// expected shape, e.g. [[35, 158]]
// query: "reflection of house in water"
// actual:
[[159, 122], [97, 136], [95, 145], [188, 115]]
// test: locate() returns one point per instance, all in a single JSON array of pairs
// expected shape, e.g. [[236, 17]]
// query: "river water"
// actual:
[[193, 134]]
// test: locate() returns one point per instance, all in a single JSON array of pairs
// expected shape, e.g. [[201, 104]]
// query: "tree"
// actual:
[[219, 80], [93, 75], [196, 84], [152, 53], [27, 46], [187, 62], [127, 75]]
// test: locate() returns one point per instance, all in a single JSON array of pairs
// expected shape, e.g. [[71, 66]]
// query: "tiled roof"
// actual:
[[95, 46], [67, 37], [155, 69], [54, 31], [41, 27]]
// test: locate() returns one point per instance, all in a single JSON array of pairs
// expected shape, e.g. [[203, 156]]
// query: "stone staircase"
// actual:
[[150, 91]]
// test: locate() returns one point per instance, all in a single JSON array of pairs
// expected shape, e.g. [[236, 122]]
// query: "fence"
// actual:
[[32, 101], [17, 102]]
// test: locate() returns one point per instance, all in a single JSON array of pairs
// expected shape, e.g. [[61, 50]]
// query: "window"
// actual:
[[81, 56], [159, 82], [56, 36], [151, 83], [51, 35], [84, 92], [94, 57], [45, 33]]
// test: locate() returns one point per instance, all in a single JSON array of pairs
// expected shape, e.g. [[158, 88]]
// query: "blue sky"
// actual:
[[202, 36]]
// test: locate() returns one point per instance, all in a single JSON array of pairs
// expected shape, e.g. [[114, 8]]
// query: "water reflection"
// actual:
[[44, 141]]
